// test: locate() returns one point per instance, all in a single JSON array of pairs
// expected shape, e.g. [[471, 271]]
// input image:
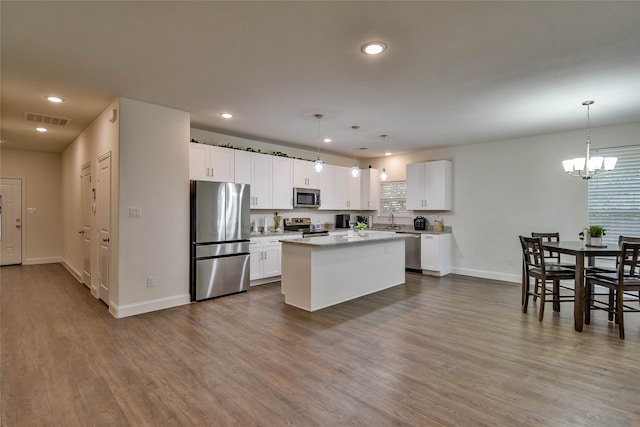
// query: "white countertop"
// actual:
[[369, 237]]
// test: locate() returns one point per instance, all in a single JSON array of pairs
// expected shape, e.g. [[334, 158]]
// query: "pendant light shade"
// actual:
[[383, 174], [319, 163], [355, 170]]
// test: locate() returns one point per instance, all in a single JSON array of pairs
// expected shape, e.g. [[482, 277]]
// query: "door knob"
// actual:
[[18, 226]]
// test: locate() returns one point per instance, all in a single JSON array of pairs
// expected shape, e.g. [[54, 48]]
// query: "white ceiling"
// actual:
[[454, 72]]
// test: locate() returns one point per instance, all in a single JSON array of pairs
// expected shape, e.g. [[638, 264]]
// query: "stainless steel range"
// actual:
[[305, 225]]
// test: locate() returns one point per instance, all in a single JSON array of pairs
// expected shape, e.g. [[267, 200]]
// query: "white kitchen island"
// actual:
[[318, 272]]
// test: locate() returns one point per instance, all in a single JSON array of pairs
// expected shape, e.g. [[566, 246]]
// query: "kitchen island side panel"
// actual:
[[333, 274]]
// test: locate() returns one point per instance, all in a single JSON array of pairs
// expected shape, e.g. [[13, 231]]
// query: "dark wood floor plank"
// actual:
[[433, 352]]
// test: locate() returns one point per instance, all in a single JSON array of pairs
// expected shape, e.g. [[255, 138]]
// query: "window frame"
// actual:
[[613, 198], [386, 214]]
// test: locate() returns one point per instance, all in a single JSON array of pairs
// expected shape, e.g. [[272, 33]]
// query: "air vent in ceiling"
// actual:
[[363, 148], [47, 120]]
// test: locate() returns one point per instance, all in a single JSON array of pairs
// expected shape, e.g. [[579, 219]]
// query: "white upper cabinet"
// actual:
[[346, 191], [304, 174], [369, 189], [255, 169], [210, 163], [326, 183], [282, 183], [429, 186]]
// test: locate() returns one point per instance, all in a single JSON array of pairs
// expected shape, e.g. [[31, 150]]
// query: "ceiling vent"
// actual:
[[363, 148], [47, 120]]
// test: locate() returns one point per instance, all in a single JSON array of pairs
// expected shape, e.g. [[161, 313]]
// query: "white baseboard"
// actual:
[[264, 281], [493, 275], [47, 260], [148, 306], [75, 273]]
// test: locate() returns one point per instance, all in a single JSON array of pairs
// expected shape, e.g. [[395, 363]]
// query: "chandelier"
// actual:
[[587, 167]]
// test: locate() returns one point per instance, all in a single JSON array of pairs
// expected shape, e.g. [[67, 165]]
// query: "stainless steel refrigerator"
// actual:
[[220, 222]]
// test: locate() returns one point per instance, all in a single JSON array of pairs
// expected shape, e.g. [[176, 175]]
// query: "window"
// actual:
[[614, 197], [393, 198]]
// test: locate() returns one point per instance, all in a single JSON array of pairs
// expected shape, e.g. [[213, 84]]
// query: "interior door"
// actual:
[[104, 225], [87, 200], [10, 221]]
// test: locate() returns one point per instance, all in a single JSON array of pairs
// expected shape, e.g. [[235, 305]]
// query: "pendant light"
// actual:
[[319, 163], [586, 167], [383, 174], [355, 170]]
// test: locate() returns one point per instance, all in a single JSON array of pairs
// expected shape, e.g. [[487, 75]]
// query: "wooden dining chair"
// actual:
[[551, 257], [621, 283], [535, 266], [613, 270]]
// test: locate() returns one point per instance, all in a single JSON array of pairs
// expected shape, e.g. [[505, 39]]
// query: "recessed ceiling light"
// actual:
[[387, 154], [226, 115], [55, 99], [373, 48], [327, 140], [41, 129]]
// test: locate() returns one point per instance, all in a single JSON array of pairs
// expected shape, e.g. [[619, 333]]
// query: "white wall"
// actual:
[[154, 176], [503, 189], [101, 137], [207, 137]]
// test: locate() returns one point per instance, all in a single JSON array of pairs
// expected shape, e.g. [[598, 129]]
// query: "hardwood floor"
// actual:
[[448, 351]]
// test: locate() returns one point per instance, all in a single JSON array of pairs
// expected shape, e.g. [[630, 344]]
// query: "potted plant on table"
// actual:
[[361, 226], [594, 235]]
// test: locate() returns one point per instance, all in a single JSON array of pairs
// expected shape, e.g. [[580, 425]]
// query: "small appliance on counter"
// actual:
[[342, 220], [420, 223]]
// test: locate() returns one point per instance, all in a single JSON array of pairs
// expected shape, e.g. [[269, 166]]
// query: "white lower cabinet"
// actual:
[[266, 257], [435, 254]]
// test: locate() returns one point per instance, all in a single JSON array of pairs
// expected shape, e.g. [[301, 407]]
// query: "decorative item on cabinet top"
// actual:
[[252, 150]]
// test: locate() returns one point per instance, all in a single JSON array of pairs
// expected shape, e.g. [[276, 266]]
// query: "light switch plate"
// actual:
[[32, 210], [135, 212]]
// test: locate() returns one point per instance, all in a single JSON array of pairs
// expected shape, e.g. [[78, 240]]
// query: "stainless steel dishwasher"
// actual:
[[411, 250]]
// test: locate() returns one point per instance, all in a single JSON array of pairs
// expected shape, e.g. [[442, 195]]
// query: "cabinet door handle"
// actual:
[[106, 240]]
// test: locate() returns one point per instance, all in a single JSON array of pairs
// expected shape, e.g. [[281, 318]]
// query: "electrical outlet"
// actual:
[[151, 281]]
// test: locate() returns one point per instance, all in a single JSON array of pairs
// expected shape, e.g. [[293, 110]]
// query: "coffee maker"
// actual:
[[342, 220]]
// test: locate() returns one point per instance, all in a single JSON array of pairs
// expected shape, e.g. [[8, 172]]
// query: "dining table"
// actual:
[[581, 251]]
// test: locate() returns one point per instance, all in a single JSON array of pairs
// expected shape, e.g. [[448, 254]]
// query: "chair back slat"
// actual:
[[625, 259], [630, 267], [549, 237], [532, 252]]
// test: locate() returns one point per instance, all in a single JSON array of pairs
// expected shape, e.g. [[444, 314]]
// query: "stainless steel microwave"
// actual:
[[306, 198]]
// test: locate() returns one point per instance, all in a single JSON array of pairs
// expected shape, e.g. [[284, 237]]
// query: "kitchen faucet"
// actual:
[[393, 221]]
